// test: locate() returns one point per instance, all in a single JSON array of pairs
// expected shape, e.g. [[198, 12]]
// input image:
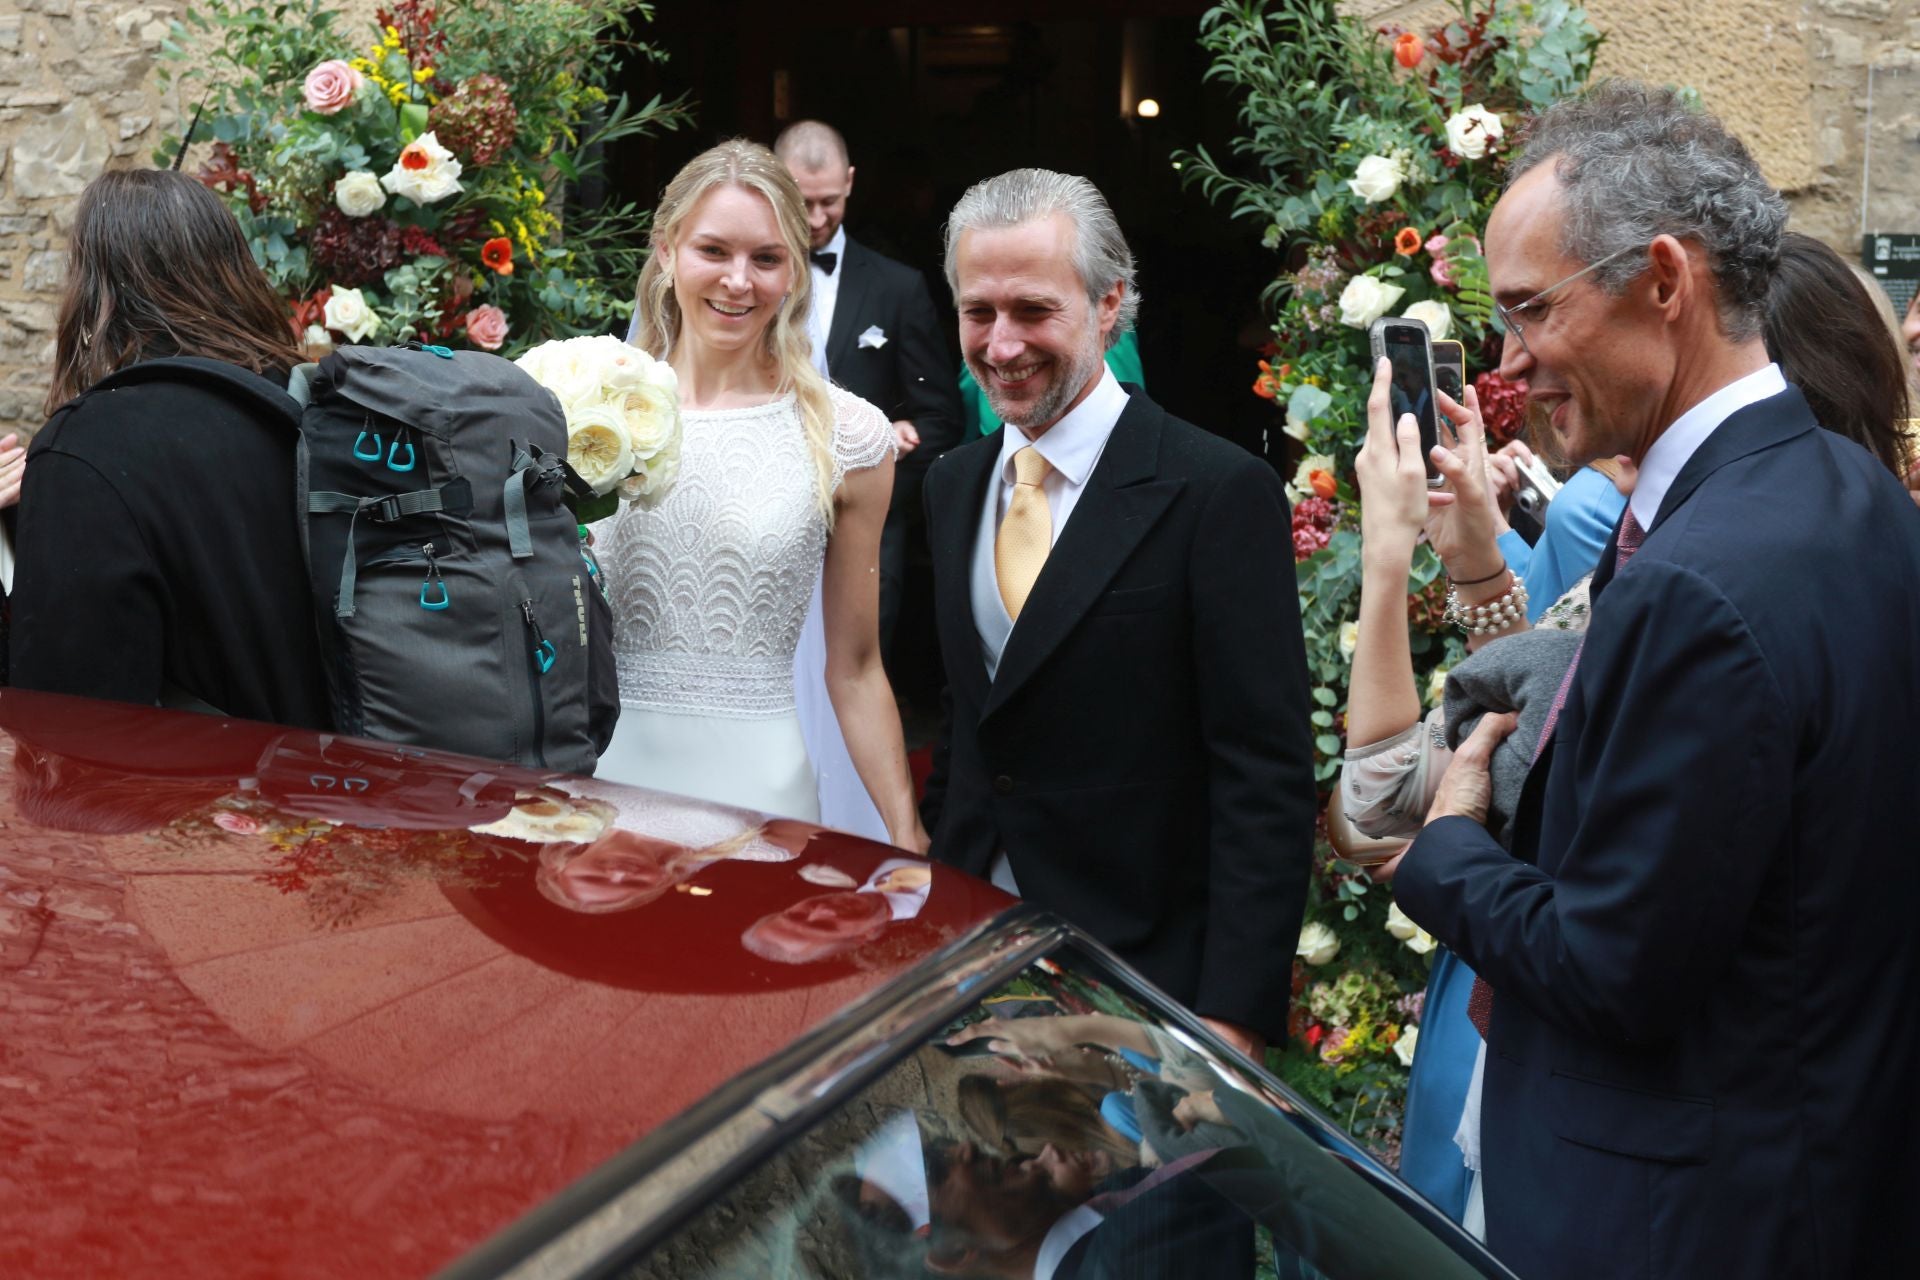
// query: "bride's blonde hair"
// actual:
[[657, 319]]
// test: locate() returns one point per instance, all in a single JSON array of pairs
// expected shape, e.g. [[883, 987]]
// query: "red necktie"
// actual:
[[1631, 535]]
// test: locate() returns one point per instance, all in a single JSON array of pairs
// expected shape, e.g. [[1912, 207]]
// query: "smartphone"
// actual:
[[1409, 348], [1450, 368]]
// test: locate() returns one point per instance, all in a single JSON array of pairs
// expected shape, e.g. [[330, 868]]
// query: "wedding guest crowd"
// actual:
[[1658, 821]]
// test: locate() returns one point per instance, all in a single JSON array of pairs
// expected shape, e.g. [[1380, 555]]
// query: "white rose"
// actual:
[[1404, 1047], [652, 483], [1436, 686], [1469, 132], [1377, 178], [1303, 476], [597, 445], [1421, 942], [316, 343], [1366, 299], [425, 171], [1296, 427], [1434, 315], [1317, 943], [1401, 926], [1349, 638], [566, 368], [347, 312], [359, 193]]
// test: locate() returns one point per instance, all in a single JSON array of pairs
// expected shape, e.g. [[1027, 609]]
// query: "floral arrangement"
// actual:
[[623, 416], [1371, 158], [408, 185]]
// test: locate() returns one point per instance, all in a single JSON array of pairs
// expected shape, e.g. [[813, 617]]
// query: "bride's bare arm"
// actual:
[[856, 682]]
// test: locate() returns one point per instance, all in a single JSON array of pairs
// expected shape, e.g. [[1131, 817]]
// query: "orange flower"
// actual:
[[497, 253], [1267, 385], [1408, 242], [415, 158], [1323, 483], [1408, 49]]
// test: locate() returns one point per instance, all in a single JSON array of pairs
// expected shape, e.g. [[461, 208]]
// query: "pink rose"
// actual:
[[331, 86], [487, 327], [238, 823], [1442, 273], [1436, 243]]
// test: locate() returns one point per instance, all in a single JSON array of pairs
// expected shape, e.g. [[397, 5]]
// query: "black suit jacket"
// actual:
[[1143, 754], [1179, 1229], [911, 375], [1703, 1049]]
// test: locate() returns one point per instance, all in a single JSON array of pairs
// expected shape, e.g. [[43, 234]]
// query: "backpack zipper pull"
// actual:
[[433, 580], [544, 654]]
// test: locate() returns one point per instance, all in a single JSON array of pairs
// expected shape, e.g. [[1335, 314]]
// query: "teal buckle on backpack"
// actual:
[[395, 452], [442, 352], [435, 605], [361, 440], [544, 656]]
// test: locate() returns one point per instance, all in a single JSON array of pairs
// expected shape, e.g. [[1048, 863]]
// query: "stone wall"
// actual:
[[77, 95]]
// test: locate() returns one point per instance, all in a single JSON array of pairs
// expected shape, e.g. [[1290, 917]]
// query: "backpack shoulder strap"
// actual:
[[200, 371]]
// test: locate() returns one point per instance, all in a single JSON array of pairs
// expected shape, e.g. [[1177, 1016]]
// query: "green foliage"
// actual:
[[539, 118]]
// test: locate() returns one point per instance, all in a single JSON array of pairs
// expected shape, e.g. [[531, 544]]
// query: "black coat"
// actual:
[[1143, 755], [1702, 1056], [159, 555], [911, 375]]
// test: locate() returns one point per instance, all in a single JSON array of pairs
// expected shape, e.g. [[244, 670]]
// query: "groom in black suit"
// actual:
[[1127, 739], [876, 333]]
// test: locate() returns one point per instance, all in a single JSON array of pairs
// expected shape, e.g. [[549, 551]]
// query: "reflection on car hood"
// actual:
[[275, 1002]]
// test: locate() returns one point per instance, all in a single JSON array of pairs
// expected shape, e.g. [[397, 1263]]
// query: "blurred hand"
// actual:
[[1462, 530], [915, 839], [905, 437], [1503, 473], [1038, 1039], [1392, 474], [1467, 786], [13, 467], [1197, 1108], [1251, 1043]]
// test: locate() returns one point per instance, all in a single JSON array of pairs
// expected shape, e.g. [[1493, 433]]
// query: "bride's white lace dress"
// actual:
[[710, 590]]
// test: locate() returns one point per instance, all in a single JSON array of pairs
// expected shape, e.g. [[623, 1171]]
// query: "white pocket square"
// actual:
[[874, 337]]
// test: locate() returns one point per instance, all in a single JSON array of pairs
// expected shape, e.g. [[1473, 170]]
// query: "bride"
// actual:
[[778, 469]]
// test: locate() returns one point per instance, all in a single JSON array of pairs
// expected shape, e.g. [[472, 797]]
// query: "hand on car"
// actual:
[[1196, 1109], [1247, 1041]]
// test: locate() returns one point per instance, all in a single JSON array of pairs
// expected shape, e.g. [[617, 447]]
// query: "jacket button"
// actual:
[[1003, 785]]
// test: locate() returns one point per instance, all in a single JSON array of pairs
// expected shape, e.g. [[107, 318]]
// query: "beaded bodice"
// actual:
[[710, 588]]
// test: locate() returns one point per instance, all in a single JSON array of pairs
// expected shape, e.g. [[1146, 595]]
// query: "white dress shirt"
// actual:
[[1061, 1237], [1072, 448], [826, 292], [1661, 467]]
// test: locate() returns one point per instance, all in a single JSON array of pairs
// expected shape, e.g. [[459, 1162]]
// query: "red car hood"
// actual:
[[270, 1005]]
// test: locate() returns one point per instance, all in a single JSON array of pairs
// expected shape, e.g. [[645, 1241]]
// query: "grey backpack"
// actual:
[[458, 604]]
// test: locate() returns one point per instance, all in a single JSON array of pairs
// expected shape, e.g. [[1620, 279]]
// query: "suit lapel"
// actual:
[[1122, 501], [856, 277], [954, 522]]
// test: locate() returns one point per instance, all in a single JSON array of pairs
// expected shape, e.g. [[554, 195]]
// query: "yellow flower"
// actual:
[[423, 75]]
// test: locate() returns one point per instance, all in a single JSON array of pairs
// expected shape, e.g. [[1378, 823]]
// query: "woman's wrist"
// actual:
[[1476, 571]]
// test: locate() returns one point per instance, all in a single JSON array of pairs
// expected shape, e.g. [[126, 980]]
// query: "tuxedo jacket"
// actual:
[[908, 375], [1180, 1229], [1142, 755], [1703, 1053]]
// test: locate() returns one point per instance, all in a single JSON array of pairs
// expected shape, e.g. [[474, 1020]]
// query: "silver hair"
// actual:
[[1636, 162], [811, 145], [1100, 253]]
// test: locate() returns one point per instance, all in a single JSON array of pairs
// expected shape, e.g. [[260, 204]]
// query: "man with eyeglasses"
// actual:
[[1699, 1059]]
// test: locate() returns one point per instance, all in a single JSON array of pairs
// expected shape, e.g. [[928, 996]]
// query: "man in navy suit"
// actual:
[[1701, 1050]]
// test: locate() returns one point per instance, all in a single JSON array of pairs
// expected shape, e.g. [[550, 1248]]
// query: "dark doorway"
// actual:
[[933, 96]]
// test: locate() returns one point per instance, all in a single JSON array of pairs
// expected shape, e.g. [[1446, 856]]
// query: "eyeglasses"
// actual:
[[1509, 316]]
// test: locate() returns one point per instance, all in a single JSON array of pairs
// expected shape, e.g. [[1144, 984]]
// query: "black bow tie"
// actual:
[[824, 260]]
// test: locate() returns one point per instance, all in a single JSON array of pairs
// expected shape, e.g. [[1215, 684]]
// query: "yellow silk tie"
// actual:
[[1026, 534]]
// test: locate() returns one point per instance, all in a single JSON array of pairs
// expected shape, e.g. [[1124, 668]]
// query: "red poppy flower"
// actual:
[[1409, 49], [497, 254], [1408, 241]]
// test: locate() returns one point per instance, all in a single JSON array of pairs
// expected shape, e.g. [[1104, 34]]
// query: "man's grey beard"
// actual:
[[1072, 380]]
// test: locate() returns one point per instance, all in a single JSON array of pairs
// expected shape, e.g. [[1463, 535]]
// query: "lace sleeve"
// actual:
[[862, 436], [1387, 787]]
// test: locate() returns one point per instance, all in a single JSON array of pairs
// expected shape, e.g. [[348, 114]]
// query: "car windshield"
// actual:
[[1064, 1126]]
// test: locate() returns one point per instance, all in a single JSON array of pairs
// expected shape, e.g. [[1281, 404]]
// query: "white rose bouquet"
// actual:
[[623, 417]]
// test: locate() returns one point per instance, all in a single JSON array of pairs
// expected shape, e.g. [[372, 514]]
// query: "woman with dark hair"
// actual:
[[1825, 332], [159, 553]]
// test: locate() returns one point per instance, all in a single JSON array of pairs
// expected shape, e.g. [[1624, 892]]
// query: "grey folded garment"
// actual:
[[1153, 1104], [1516, 673]]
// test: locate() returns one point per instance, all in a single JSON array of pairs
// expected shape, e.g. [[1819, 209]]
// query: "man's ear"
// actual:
[[1671, 278], [1107, 309], [952, 1260], [849, 179]]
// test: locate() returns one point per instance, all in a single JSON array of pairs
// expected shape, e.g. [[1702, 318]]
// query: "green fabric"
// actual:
[[1123, 357]]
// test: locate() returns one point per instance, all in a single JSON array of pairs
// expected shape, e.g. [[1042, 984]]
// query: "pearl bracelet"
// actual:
[[1496, 615]]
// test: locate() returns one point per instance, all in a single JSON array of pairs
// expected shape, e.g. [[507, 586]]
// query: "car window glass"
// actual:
[[1062, 1128]]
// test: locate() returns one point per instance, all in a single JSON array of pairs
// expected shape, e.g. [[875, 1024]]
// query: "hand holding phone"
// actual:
[[1408, 347]]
